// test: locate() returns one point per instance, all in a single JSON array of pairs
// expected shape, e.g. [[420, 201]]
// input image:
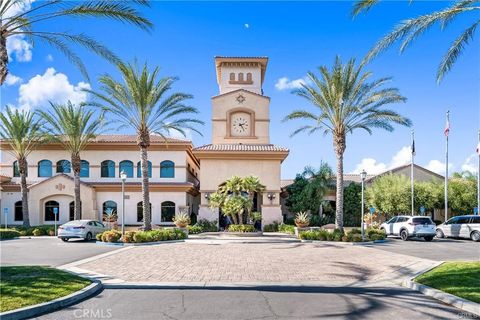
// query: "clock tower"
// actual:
[[240, 113], [240, 137]]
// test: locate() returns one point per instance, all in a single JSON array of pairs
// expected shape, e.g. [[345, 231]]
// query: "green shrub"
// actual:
[[375, 237], [286, 228], [337, 235], [320, 235], [195, 229], [357, 238], [9, 233], [355, 231], [207, 226], [99, 236], [111, 236], [38, 232], [241, 228], [128, 237], [158, 235], [271, 227], [377, 233]]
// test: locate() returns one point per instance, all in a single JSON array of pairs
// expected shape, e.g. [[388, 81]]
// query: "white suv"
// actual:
[[410, 226]]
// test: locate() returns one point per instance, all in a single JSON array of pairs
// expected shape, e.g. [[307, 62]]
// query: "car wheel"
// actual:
[[475, 236], [64, 239], [404, 235], [88, 237], [428, 238], [439, 234]]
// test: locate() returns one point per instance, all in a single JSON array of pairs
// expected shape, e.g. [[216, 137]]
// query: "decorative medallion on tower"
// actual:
[[240, 98]]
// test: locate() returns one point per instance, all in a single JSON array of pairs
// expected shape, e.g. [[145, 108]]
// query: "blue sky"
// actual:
[[297, 37]]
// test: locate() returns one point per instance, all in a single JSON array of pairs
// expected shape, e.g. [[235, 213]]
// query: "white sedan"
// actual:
[[80, 229]]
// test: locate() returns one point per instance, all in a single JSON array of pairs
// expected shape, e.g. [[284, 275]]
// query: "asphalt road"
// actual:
[[48, 251], [437, 250], [266, 303]]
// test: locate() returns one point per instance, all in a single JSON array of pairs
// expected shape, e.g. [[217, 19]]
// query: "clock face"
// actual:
[[240, 125]]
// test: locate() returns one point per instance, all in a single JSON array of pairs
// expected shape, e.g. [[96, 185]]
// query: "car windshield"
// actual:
[[422, 221]]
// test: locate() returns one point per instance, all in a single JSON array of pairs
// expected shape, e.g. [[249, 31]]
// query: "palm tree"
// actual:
[[409, 30], [319, 182], [346, 101], [140, 102], [74, 128], [17, 22], [21, 130], [252, 185]]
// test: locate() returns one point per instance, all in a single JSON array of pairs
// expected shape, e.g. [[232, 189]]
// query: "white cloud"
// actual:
[[49, 58], [16, 45], [11, 80], [177, 135], [371, 166], [51, 86], [285, 83], [246, 25], [402, 157], [18, 7], [438, 166], [470, 163]]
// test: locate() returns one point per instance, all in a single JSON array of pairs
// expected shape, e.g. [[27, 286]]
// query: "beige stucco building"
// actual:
[[241, 137], [173, 181], [240, 146]]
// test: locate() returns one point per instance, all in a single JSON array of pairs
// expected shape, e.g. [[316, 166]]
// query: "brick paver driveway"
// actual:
[[241, 262]]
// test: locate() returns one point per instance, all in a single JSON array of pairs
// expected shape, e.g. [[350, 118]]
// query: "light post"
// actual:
[[123, 176], [363, 175]]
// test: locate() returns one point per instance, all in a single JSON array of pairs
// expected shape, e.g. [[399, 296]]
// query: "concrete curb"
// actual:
[[366, 243], [134, 244], [50, 306], [460, 303]]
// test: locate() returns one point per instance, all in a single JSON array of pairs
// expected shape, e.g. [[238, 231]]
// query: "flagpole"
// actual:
[[447, 131], [411, 172], [478, 175]]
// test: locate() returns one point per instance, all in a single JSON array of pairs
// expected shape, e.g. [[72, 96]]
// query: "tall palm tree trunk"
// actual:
[[234, 218], [22, 166], [3, 59], [77, 208], [147, 215], [339, 144]]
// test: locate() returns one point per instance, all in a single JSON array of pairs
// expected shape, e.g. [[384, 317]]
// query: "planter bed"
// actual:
[[135, 244], [239, 234]]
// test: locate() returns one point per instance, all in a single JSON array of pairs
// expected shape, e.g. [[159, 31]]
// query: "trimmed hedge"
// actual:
[[141, 236], [41, 230], [9, 234], [241, 228], [355, 235]]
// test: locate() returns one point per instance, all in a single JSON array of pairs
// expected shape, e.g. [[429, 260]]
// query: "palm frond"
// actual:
[[363, 6], [455, 50]]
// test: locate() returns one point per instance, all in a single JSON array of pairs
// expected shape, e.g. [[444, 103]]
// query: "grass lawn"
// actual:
[[458, 278], [28, 285]]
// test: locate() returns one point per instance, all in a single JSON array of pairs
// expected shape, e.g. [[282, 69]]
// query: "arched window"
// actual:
[[168, 211], [64, 166], [107, 169], [127, 167], [45, 168], [232, 76], [50, 207], [139, 169], [249, 77], [240, 77], [72, 210], [84, 169], [18, 211], [167, 169], [109, 208], [140, 211]]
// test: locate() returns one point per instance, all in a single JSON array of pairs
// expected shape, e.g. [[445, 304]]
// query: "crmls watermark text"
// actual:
[[466, 315], [92, 313]]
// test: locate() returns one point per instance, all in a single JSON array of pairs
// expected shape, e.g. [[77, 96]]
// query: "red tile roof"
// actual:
[[242, 147]]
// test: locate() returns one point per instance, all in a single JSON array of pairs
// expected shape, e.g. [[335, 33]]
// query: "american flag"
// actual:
[[447, 127]]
